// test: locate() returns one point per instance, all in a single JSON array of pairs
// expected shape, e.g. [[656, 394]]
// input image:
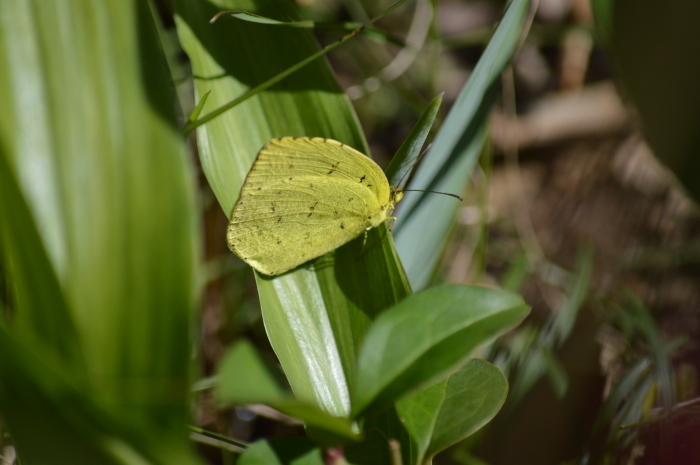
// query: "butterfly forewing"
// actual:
[[303, 198]]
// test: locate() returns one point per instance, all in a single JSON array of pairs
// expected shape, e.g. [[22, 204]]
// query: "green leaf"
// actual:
[[455, 408], [35, 285], [244, 378], [559, 327], [282, 451], [314, 316], [198, 109], [89, 133], [426, 336], [405, 159], [280, 76], [425, 220]]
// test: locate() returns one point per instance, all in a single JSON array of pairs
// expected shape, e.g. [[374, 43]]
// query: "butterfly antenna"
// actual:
[[418, 159], [434, 192]]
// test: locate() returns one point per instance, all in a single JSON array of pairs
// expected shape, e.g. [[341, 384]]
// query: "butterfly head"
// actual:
[[395, 195]]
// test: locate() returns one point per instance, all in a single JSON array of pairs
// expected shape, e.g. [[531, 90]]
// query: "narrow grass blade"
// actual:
[[426, 220], [405, 159]]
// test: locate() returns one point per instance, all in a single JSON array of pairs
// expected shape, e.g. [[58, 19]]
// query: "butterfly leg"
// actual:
[[384, 236]]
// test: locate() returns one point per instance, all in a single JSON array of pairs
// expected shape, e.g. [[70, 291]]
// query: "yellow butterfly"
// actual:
[[304, 197]]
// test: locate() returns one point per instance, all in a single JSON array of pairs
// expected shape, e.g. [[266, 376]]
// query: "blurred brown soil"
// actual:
[[585, 177]]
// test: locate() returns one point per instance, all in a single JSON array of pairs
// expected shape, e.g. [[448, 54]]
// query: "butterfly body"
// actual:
[[304, 197]]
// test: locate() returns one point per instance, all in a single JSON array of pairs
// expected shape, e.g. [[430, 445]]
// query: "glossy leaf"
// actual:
[[426, 336], [316, 315], [426, 219], [455, 408]]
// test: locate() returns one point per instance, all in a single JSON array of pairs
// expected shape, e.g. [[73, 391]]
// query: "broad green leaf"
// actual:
[[243, 378], [314, 316], [407, 156], [426, 219], [282, 451], [455, 408], [654, 46], [89, 133], [426, 336]]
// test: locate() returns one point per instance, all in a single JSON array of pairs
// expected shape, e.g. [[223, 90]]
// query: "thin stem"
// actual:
[[218, 437], [292, 69]]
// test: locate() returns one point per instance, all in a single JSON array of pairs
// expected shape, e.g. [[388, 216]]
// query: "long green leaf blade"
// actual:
[[315, 316], [408, 154], [90, 135], [426, 219]]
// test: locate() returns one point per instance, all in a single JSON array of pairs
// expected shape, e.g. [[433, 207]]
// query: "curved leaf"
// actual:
[[455, 408], [426, 336], [244, 378]]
